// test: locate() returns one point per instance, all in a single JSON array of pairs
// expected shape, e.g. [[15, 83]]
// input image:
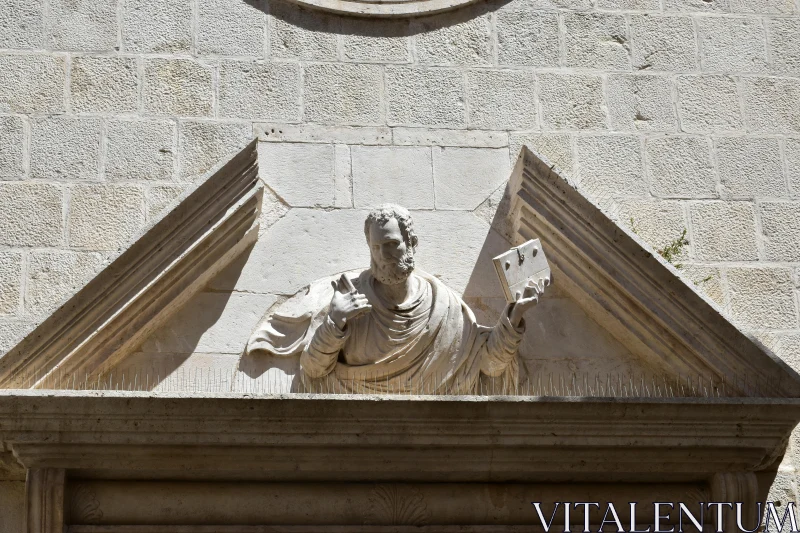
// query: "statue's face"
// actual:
[[392, 259]]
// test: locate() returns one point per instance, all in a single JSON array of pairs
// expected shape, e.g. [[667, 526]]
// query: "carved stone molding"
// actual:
[[45, 500], [384, 8]]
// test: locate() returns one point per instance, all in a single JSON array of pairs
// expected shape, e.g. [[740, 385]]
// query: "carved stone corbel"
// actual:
[[44, 500]]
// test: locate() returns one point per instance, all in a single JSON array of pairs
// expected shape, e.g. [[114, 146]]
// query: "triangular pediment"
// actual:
[[182, 299]]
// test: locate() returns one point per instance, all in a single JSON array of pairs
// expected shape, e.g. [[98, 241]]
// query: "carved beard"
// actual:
[[390, 273]]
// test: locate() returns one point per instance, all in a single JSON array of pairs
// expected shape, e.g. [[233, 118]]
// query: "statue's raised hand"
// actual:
[[347, 303], [527, 299]]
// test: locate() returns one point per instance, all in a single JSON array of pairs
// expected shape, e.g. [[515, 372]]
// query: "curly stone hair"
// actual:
[[384, 213]]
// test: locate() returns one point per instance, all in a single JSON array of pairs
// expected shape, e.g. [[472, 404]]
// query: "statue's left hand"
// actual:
[[525, 300]]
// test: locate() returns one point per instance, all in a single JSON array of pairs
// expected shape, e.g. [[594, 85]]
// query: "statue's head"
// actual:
[[391, 239]]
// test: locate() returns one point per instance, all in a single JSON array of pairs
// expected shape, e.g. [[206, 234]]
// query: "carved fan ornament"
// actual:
[[384, 8]]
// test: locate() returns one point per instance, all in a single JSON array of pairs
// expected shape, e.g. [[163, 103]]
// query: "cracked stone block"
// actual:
[[663, 43]]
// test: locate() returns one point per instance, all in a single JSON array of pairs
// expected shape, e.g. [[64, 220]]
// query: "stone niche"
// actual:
[[135, 407]]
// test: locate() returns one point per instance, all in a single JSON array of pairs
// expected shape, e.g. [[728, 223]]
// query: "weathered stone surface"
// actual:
[[764, 6], [734, 44], [750, 167], [464, 177], [230, 28], [610, 164], [86, 25], [644, 5], [64, 148], [121, 208], [217, 322], [693, 6], [380, 41], [663, 43], [12, 494], [301, 174], [425, 97], [462, 43], [342, 177], [32, 83], [708, 281], [557, 148], [12, 134], [762, 297], [316, 133], [342, 93], [302, 34], [680, 167], [780, 224], [22, 25], [709, 104], [641, 103], [158, 197], [793, 164], [140, 150], [54, 275], [177, 87], [268, 91], [571, 101], [449, 137], [158, 27], [501, 99], [398, 174], [526, 37], [723, 231], [10, 283], [272, 210], [770, 104], [100, 84], [11, 332], [784, 46], [203, 144], [30, 214], [658, 223], [596, 41]]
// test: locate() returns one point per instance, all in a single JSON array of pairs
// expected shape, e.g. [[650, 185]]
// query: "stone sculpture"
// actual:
[[393, 328]]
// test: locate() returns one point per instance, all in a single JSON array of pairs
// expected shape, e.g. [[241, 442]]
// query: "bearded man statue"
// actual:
[[395, 329]]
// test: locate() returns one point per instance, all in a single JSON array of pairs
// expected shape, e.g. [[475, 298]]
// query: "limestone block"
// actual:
[[30, 214], [787, 347], [780, 224], [397, 174], [571, 101], [658, 223], [784, 7], [526, 37], [629, 5], [425, 97], [301, 174], [53, 275], [750, 167], [680, 166], [641, 103], [272, 210], [177, 87], [10, 282], [32, 84], [230, 28], [302, 246], [12, 504], [793, 164], [770, 104], [316, 133], [218, 322], [723, 231], [610, 164], [735, 44], [204, 144], [524, 5], [383, 41], [695, 6], [557, 148], [709, 104], [762, 298], [265, 90], [12, 134], [663, 43], [22, 24], [88, 25], [120, 207], [782, 491], [708, 280], [342, 177], [596, 41], [501, 99], [439, 41], [342, 93], [445, 137], [100, 84], [11, 332], [159, 197], [158, 27], [64, 148], [464, 177], [140, 150], [297, 33], [784, 45]]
